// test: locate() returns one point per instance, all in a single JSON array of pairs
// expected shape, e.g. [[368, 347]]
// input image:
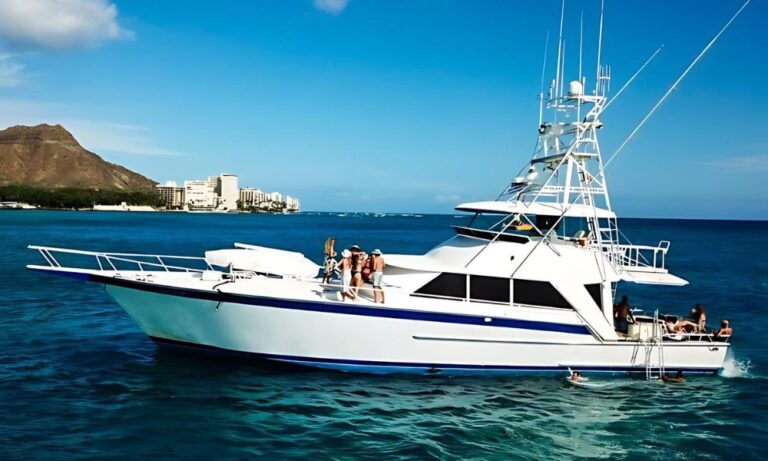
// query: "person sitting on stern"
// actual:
[[725, 331]]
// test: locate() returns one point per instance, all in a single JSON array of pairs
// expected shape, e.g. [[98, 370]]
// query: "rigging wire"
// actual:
[[674, 85]]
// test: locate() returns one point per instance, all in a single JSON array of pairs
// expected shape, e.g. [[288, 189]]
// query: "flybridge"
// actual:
[[565, 177]]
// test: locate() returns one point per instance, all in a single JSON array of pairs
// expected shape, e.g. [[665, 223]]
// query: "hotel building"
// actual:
[[172, 194]]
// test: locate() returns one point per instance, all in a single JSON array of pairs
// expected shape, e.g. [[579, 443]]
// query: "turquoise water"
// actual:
[[79, 380]]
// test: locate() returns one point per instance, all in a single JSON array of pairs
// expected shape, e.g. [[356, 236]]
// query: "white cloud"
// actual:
[[58, 24], [331, 6], [750, 163], [10, 71]]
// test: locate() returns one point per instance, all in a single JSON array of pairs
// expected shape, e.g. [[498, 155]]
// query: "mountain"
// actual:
[[49, 156]]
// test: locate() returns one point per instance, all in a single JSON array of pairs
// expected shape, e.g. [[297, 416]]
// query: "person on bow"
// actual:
[[329, 262], [378, 275], [346, 275]]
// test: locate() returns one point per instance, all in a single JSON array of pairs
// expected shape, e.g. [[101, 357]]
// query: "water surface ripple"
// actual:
[[79, 380]]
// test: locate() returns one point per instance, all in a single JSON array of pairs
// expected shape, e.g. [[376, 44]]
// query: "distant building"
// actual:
[[213, 181], [199, 195], [172, 194], [252, 197], [228, 192], [276, 197], [222, 193], [292, 204]]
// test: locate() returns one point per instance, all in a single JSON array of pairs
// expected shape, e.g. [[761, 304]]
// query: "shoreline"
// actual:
[[360, 213]]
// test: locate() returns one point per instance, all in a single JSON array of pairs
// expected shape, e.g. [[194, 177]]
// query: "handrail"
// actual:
[[629, 255], [110, 258], [101, 253]]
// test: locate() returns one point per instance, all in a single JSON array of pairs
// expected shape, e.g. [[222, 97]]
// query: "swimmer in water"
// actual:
[[677, 379]]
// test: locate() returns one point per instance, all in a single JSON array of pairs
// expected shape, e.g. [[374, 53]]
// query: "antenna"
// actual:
[[677, 82], [581, 41], [562, 73], [599, 48], [559, 51], [581, 78], [543, 71]]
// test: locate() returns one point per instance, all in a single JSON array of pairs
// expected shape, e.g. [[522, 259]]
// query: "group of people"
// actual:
[[697, 323], [355, 268]]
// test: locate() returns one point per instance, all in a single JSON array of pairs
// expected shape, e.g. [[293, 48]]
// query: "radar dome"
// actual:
[[575, 88]]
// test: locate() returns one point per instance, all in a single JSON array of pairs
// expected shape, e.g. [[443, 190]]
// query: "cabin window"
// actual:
[[538, 293], [595, 290], [446, 284], [495, 289]]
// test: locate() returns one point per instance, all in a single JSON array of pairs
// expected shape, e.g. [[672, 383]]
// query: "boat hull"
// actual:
[[363, 339]]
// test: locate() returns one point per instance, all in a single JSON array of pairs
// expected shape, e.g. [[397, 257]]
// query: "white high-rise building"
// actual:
[[276, 197], [292, 203], [199, 195], [213, 181], [228, 192]]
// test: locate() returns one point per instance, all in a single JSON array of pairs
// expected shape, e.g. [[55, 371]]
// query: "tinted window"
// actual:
[[538, 293], [596, 292], [489, 288], [452, 285]]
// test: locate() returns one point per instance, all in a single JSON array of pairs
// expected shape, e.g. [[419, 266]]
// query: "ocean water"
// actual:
[[79, 380]]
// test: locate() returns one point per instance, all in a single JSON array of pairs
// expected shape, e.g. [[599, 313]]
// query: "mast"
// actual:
[[566, 169]]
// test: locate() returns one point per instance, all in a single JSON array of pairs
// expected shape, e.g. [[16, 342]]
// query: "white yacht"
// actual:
[[528, 285]]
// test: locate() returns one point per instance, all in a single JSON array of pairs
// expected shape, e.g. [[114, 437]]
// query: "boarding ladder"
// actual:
[[655, 346]]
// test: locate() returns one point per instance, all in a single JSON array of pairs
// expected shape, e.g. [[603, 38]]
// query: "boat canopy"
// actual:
[[575, 210], [263, 260]]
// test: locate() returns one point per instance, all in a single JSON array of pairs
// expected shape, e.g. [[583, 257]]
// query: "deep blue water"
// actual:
[[79, 380]]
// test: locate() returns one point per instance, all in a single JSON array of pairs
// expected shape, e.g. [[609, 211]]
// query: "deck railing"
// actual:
[[111, 261], [638, 257]]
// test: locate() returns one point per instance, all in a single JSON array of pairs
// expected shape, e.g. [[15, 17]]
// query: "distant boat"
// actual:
[[16, 206]]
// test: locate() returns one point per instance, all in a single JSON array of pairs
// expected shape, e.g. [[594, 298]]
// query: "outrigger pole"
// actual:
[[624, 87], [674, 85]]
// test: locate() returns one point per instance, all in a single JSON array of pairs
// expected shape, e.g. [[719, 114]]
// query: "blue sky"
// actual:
[[391, 105]]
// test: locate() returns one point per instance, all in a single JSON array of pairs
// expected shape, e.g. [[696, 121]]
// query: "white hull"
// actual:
[[372, 343]]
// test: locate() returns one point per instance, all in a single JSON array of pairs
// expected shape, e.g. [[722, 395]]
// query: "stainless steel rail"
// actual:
[[109, 259]]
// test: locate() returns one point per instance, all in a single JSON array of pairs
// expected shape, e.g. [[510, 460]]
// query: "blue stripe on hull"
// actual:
[[337, 308], [382, 367]]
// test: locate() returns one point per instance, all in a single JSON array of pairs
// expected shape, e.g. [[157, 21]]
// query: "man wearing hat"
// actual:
[[378, 275]]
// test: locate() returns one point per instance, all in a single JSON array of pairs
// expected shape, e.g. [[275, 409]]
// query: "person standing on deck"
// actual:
[[622, 315], [346, 275], [378, 276], [358, 260], [329, 263]]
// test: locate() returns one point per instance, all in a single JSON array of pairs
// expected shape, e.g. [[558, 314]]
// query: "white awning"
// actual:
[[653, 278], [575, 210]]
